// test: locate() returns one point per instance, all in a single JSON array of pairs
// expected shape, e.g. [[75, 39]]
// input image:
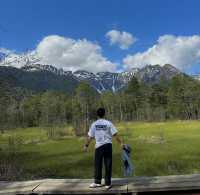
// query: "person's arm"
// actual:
[[118, 139], [89, 137], [88, 141]]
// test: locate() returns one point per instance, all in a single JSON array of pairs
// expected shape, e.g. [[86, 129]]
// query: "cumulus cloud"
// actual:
[[180, 51], [65, 53], [123, 39], [71, 54]]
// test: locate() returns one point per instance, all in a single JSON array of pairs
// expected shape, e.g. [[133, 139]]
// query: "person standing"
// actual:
[[102, 131]]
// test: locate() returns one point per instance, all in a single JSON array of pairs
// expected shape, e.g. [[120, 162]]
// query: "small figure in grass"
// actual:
[[103, 131]]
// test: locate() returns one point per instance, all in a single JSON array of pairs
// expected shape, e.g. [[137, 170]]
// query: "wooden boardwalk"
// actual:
[[182, 184]]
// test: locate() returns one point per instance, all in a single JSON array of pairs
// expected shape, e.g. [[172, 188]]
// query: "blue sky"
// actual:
[[24, 23]]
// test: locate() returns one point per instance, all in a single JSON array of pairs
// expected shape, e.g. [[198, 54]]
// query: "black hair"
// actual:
[[101, 112]]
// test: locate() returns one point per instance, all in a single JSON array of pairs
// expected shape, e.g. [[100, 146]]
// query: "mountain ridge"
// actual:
[[29, 65], [101, 81], [113, 81]]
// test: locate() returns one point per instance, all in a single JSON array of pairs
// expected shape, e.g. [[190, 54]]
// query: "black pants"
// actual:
[[103, 152]]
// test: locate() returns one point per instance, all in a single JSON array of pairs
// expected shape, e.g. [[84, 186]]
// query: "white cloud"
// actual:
[[65, 53], [123, 39], [180, 51], [71, 54]]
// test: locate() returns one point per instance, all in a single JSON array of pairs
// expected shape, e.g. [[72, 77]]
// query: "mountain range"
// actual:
[[39, 77], [35, 76]]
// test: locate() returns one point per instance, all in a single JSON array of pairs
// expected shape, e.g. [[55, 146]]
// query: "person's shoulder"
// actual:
[[108, 122]]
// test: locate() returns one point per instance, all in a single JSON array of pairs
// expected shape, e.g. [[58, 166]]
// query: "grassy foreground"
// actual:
[[157, 149]]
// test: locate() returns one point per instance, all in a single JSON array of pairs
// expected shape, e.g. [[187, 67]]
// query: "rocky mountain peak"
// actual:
[[101, 81], [153, 73], [83, 74]]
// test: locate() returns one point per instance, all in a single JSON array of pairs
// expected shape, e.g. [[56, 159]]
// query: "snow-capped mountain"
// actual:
[[101, 81], [153, 73], [108, 81], [16, 60], [30, 65], [49, 68]]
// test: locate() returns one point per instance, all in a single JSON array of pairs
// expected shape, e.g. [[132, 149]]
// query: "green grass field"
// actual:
[[162, 148]]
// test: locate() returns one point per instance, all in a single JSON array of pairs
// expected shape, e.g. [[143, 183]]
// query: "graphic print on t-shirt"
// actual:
[[101, 127], [102, 130]]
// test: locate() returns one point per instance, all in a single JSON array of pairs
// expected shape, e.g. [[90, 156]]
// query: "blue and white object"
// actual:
[[128, 166]]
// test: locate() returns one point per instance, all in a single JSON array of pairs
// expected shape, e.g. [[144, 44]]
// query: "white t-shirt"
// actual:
[[102, 130]]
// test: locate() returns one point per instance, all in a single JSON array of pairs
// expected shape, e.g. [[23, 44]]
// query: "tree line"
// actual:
[[178, 98]]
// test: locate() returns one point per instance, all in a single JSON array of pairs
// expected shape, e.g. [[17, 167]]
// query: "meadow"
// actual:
[[158, 148]]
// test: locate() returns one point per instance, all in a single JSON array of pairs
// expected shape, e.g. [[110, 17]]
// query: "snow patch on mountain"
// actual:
[[108, 81], [19, 61], [101, 81]]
